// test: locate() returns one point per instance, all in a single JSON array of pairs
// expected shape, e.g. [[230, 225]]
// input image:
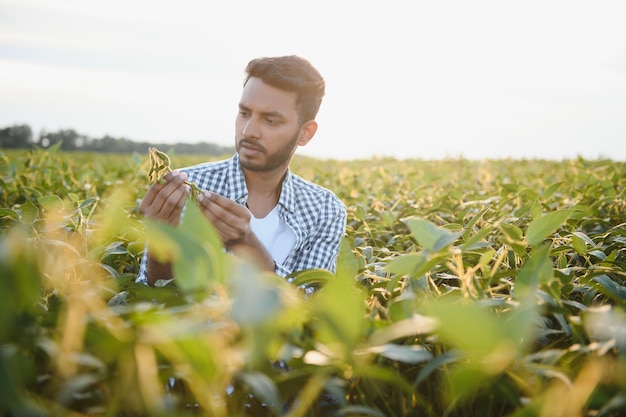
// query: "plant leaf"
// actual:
[[402, 353], [543, 226], [430, 236]]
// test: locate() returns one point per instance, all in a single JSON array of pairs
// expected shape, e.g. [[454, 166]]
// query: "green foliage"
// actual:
[[462, 288]]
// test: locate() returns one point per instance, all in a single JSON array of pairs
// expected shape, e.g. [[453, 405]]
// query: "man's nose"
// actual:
[[251, 128]]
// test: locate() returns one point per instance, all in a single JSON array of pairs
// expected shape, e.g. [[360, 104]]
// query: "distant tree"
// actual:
[[113, 145], [20, 136], [16, 136], [105, 143], [201, 148], [71, 140]]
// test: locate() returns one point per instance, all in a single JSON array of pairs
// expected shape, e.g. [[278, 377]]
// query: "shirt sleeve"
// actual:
[[281, 270], [325, 245], [142, 275], [321, 247]]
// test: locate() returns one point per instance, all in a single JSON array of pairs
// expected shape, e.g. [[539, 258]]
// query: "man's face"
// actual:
[[267, 128]]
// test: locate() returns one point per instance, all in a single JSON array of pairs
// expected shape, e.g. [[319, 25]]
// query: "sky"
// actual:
[[480, 79]]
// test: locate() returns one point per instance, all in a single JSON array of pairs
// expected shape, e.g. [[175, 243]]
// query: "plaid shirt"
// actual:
[[314, 214]]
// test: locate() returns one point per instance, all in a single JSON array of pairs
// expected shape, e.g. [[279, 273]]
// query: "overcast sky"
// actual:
[[417, 79]]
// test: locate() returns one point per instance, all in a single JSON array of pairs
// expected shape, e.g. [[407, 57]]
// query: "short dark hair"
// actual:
[[295, 74]]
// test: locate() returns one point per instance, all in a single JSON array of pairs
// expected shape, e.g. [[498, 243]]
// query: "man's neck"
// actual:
[[263, 191]]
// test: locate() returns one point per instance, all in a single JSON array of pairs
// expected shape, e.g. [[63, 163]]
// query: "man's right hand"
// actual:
[[165, 202]]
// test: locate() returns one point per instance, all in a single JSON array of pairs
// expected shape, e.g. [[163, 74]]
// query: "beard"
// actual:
[[273, 160]]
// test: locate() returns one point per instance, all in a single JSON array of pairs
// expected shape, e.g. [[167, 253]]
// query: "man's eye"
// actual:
[[243, 113], [271, 121]]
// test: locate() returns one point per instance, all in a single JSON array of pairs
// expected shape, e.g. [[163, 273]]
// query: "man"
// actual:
[[258, 206]]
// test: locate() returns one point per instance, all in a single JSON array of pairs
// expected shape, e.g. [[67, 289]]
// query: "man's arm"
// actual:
[[164, 203]]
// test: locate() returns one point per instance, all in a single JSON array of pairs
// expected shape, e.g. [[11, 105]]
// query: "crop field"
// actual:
[[463, 288]]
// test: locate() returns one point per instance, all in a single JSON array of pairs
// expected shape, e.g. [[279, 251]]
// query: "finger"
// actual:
[[168, 202], [228, 231], [172, 179], [148, 199], [213, 200], [175, 175], [173, 205], [222, 208], [231, 219], [213, 211]]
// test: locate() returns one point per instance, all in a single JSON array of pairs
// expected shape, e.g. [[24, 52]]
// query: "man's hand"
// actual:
[[165, 202], [232, 221]]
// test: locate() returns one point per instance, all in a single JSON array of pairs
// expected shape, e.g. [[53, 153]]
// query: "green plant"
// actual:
[[463, 288]]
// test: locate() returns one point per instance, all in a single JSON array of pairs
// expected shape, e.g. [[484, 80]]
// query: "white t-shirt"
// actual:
[[275, 235]]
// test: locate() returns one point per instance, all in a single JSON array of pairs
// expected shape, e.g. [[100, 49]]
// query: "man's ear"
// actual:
[[307, 131]]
